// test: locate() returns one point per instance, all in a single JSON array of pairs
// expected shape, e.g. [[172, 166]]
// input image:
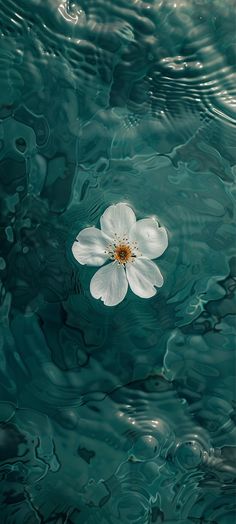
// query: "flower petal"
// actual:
[[117, 219], [142, 276], [90, 247], [152, 239], [110, 284]]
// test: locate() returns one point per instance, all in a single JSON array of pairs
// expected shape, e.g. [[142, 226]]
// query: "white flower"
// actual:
[[129, 245]]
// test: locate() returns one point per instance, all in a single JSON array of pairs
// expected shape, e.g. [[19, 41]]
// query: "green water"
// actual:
[[121, 415]]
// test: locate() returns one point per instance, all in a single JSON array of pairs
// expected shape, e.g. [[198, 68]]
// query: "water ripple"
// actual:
[[123, 415]]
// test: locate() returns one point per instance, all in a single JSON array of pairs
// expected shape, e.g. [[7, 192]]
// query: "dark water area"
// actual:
[[125, 414]]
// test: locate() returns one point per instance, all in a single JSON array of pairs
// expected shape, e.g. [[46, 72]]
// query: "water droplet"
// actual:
[[189, 454], [146, 447]]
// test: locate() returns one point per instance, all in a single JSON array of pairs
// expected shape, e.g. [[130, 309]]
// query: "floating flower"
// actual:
[[129, 245]]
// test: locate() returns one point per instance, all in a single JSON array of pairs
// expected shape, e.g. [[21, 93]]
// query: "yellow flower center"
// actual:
[[122, 250], [123, 253]]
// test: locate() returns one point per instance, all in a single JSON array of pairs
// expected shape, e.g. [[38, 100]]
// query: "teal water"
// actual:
[[121, 415]]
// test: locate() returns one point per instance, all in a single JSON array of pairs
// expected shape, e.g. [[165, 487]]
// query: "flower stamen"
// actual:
[[122, 250], [122, 253]]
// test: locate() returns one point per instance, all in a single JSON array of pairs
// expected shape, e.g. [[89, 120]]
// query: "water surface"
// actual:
[[117, 415]]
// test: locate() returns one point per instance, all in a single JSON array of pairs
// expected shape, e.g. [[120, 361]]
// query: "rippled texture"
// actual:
[[117, 415]]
